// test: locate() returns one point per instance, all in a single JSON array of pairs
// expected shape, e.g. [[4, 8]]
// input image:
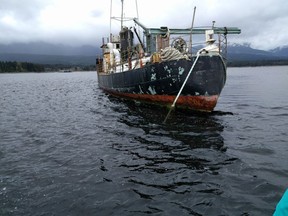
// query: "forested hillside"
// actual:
[[14, 66]]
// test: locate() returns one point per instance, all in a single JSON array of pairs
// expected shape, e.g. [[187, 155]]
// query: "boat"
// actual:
[[161, 69]]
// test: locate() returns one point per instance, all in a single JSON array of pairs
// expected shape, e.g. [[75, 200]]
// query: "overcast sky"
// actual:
[[85, 22]]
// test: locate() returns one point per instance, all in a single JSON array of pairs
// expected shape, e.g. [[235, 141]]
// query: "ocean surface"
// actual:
[[66, 148]]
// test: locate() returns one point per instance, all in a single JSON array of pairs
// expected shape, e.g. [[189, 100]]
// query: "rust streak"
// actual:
[[200, 103]]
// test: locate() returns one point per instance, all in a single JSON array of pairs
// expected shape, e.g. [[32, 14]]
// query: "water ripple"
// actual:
[[67, 148]]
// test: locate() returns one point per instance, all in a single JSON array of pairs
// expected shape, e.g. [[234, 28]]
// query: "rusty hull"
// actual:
[[159, 83], [193, 103]]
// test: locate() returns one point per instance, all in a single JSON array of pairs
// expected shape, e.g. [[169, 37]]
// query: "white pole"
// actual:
[[122, 15], [137, 9], [110, 36], [138, 18], [192, 25], [184, 83]]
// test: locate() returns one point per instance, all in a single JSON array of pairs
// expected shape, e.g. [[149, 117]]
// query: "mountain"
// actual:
[[45, 53], [244, 52], [42, 48], [280, 51]]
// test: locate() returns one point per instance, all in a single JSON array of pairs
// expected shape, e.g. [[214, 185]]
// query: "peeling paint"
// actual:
[[166, 68], [181, 70], [153, 77], [141, 92], [152, 90]]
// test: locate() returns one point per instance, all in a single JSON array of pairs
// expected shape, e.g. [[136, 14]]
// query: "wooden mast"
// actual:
[[122, 14]]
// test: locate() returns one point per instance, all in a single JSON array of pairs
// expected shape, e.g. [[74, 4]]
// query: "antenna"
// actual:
[[137, 9], [110, 21], [136, 2], [192, 25], [122, 15]]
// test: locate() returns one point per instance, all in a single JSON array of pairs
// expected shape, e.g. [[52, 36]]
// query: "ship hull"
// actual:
[[159, 83]]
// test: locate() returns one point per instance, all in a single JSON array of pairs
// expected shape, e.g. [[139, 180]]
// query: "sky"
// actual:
[[84, 22]]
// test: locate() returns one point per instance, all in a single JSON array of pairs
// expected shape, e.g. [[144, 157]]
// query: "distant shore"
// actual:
[[24, 67], [257, 63]]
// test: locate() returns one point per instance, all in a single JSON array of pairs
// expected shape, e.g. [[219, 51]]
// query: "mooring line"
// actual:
[[184, 83]]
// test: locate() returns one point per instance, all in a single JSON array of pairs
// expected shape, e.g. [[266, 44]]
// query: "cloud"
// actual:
[[62, 21], [262, 23], [21, 10], [77, 22], [18, 19]]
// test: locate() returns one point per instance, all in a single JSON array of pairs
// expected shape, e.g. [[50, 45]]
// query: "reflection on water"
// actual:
[[198, 130], [173, 159], [66, 148]]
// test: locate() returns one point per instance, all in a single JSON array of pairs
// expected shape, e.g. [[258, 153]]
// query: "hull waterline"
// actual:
[[189, 103]]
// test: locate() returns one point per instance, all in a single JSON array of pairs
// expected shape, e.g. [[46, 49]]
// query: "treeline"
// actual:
[[62, 67], [13, 66], [7, 66]]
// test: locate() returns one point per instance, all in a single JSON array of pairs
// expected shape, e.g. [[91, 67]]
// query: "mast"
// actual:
[[137, 9], [139, 33], [122, 14], [192, 25], [110, 38]]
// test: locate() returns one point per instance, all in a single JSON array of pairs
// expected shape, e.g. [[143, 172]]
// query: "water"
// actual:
[[66, 148]]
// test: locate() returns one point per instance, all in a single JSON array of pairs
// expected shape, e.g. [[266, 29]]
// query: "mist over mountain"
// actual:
[[237, 52], [73, 60], [281, 51], [45, 53], [42, 48]]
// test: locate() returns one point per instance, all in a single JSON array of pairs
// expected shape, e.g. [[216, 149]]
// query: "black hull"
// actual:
[[160, 83]]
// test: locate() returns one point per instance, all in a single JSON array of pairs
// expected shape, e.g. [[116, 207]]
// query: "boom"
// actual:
[[196, 30]]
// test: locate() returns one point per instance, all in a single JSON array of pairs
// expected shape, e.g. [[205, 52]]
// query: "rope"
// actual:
[[184, 83], [170, 53]]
